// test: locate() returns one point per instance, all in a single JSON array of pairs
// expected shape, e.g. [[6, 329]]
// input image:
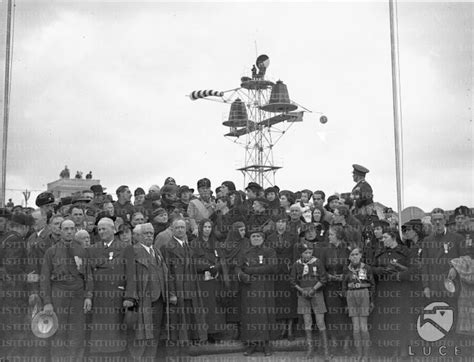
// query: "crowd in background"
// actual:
[[173, 268]]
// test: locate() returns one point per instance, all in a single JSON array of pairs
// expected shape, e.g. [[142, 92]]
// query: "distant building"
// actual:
[[67, 186]]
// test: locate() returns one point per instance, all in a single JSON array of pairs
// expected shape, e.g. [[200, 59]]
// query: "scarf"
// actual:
[[305, 265]]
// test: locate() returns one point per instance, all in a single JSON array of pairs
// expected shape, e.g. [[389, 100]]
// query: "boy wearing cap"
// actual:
[[309, 276]]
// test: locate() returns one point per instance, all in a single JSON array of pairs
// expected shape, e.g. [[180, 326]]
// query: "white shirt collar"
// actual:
[[107, 245], [181, 242]]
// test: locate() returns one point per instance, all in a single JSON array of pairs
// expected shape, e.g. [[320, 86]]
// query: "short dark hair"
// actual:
[[323, 195], [121, 189]]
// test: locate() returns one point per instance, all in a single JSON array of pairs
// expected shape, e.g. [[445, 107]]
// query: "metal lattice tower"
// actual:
[[267, 116]]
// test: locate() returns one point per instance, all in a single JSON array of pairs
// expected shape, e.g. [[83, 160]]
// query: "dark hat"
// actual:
[[158, 211], [271, 189], [44, 325], [170, 181], [218, 189], [277, 188], [359, 170], [169, 189], [253, 186], [5, 213], [23, 219], [462, 210], [98, 189], [44, 198], [204, 182], [451, 220], [139, 191], [121, 189], [230, 185], [185, 188]]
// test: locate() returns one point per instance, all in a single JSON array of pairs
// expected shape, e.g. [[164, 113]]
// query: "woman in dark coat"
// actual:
[[235, 244], [392, 295], [224, 217], [336, 259], [209, 259], [256, 269], [283, 243]]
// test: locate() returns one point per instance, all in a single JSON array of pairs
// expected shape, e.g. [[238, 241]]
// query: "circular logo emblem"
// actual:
[[435, 322]]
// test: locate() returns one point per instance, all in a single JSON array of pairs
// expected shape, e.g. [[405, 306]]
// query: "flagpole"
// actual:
[[397, 108], [6, 104]]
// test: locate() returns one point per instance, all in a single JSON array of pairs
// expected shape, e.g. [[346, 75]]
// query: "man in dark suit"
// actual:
[[112, 264], [151, 282], [14, 293], [187, 317]]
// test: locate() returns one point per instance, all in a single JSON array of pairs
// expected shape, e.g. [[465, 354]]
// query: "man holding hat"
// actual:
[[66, 286], [438, 249], [256, 269], [14, 296], [203, 206], [112, 263]]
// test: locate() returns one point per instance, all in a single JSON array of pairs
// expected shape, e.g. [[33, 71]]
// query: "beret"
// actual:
[[462, 210], [44, 198], [253, 186], [169, 189]]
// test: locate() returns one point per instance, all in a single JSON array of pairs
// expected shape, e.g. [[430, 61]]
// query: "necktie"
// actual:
[[152, 252]]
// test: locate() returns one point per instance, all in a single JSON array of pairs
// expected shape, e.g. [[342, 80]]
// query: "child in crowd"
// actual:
[[358, 286], [308, 276]]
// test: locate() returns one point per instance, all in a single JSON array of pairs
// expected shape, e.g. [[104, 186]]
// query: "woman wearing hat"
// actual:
[[209, 258], [255, 271], [260, 217], [224, 217]]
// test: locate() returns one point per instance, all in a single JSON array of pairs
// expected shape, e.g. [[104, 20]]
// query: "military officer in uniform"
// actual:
[[361, 196], [462, 218]]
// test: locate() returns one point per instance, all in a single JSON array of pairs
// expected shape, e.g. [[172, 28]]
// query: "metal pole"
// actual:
[[6, 104], [397, 108]]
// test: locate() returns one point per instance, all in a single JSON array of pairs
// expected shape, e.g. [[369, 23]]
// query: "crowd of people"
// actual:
[[174, 268]]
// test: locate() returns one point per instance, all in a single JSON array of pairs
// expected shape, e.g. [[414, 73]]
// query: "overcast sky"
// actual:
[[102, 86]]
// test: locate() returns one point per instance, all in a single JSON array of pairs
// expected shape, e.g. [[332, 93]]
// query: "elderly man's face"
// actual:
[[295, 212], [146, 235], [109, 208], [67, 230], [439, 221], [84, 239], [106, 232], [179, 229]]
